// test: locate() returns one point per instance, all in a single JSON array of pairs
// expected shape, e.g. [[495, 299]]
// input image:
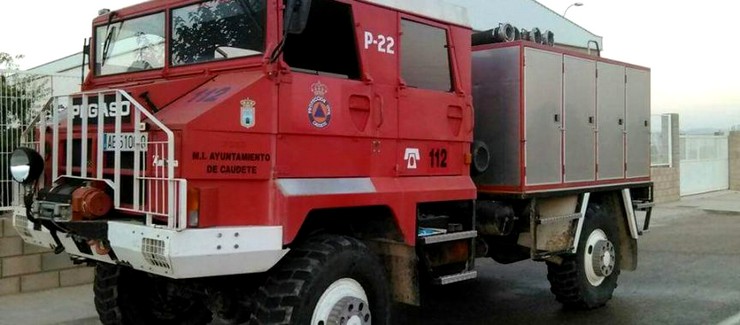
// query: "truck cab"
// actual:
[[231, 132]]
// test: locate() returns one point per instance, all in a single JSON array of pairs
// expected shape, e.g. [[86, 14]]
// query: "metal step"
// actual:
[[433, 239], [452, 278], [642, 206], [647, 207]]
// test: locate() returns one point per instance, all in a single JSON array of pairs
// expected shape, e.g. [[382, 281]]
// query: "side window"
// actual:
[[327, 44], [425, 61]]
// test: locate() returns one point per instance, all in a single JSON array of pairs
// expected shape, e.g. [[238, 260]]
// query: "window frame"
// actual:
[[355, 31], [454, 86], [93, 58], [170, 37]]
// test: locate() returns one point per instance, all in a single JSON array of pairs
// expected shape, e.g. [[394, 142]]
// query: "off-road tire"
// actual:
[[294, 286], [126, 296], [568, 280]]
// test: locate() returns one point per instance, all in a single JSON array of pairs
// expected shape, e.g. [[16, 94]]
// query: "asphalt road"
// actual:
[[688, 273]]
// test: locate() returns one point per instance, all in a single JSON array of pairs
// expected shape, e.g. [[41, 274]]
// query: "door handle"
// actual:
[[378, 111]]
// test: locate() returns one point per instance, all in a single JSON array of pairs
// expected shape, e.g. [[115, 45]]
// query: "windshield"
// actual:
[[206, 31], [130, 45], [218, 29]]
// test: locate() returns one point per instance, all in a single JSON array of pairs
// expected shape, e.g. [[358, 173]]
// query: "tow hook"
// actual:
[[99, 246]]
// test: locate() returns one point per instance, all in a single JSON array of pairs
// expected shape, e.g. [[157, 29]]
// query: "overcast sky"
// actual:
[[692, 47]]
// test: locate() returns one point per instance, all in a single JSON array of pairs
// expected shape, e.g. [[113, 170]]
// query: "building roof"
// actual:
[[68, 64], [527, 14]]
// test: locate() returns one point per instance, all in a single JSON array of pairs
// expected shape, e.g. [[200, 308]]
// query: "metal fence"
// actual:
[[661, 145], [22, 96]]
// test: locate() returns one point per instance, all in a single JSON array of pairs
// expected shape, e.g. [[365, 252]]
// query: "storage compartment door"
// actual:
[[610, 108], [543, 114], [638, 123], [497, 102], [579, 104]]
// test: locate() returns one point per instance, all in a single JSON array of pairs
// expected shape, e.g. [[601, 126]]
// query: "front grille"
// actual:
[[154, 252], [127, 159], [126, 186], [77, 154], [127, 165]]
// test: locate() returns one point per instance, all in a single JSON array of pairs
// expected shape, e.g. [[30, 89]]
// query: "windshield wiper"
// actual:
[[109, 30], [106, 45]]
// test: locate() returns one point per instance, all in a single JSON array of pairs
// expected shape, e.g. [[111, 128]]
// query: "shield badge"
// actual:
[[247, 113], [319, 110]]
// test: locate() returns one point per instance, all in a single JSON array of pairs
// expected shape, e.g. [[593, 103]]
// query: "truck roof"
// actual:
[[435, 9]]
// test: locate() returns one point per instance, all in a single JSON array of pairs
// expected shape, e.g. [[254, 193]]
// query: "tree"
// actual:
[[7, 61]]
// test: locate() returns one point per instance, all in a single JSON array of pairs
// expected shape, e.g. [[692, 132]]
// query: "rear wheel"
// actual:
[[327, 280], [587, 279], [127, 296]]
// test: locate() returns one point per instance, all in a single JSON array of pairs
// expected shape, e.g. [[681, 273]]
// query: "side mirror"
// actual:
[[296, 15]]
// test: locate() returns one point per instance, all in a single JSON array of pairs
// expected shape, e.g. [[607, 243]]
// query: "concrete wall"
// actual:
[[734, 156], [667, 180], [25, 268]]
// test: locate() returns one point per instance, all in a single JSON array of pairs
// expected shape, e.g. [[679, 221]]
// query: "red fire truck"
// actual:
[[313, 162]]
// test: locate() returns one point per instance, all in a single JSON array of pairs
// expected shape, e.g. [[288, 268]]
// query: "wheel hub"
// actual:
[[603, 258], [599, 257], [343, 303], [350, 311]]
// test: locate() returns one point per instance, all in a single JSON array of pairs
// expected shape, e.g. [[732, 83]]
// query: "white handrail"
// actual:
[[150, 183]]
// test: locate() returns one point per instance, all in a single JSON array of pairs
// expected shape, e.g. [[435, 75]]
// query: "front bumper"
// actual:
[[188, 253]]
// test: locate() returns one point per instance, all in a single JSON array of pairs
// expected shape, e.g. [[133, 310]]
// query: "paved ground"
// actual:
[[69, 306], [689, 273]]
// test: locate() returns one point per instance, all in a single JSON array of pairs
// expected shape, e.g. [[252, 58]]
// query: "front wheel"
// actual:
[[587, 279], [126, 296], [325, 281]]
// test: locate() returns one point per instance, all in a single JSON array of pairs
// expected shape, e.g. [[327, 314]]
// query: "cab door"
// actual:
[[336, 115], [432, 108]]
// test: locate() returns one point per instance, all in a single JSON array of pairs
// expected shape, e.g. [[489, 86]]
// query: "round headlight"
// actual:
[[26, 165]]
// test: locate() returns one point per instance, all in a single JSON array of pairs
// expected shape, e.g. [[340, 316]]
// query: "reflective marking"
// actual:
[[734, 320], [302, 187]]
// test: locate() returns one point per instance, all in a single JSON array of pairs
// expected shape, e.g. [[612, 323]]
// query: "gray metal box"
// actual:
[[556, 119], [611, 121], [638, 122], [579, 114]]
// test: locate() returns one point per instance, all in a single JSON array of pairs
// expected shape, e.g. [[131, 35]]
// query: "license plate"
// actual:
[[125, 141]]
